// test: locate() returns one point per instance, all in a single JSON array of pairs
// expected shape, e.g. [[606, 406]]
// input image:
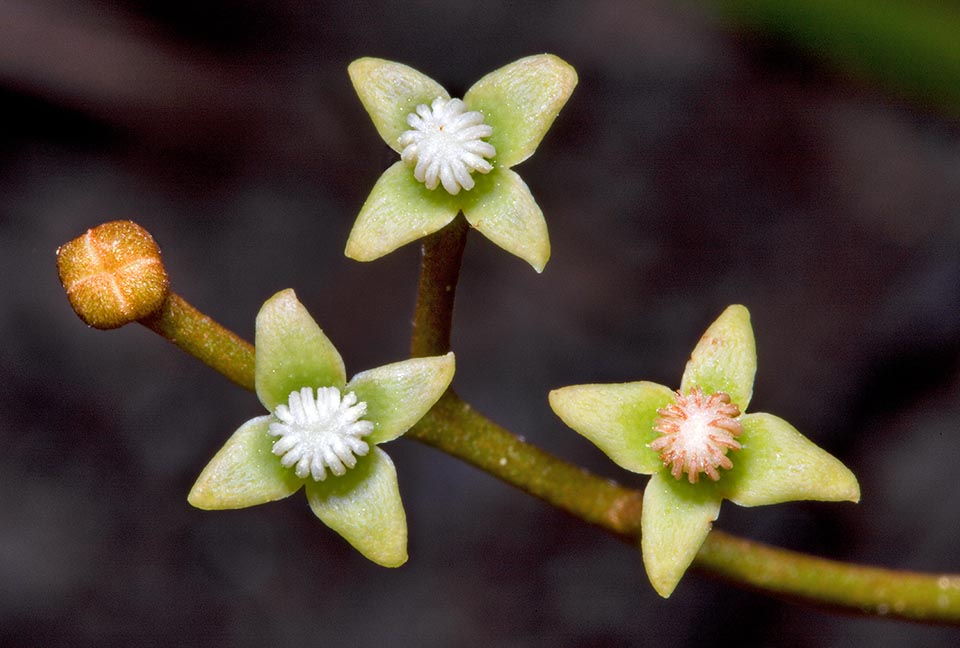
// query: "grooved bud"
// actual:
[[113, 274]]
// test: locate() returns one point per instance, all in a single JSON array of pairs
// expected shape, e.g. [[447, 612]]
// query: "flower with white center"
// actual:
[[699, 429], [467, 145], [320, 433], [323, 432], [446, 145]]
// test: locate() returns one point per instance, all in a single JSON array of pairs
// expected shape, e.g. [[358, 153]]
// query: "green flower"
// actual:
[[469, 145], [750, 459], [322, 433]]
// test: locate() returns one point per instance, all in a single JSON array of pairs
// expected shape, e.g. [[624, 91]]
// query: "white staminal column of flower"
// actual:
[[445, 145], [320, 433], [697, 431]]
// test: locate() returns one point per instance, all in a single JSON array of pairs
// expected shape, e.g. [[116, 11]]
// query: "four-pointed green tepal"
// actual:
[[750, 459], [454, 144], [322, 433]]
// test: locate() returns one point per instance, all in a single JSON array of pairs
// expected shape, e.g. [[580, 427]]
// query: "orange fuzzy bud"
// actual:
[[113, 274]]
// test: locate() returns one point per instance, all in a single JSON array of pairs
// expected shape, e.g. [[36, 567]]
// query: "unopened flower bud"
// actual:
[[113, 274]]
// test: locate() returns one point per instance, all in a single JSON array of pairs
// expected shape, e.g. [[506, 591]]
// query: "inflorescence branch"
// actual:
[[455, 428]]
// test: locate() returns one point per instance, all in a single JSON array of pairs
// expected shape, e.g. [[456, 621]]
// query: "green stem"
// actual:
[[204, 339], [850, 588], [459, 430], [455, 428]]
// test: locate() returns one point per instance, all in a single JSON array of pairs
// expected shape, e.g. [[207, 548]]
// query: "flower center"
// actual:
[[320, 433], [445, 145], [697, 431]]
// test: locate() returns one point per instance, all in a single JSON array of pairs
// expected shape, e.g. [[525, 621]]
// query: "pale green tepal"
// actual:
[[456, 154], [322, 433], [750, 459]]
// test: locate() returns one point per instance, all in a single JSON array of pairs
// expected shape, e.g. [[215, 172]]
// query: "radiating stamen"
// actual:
[[320, 433], [445, 145], [697, 432]]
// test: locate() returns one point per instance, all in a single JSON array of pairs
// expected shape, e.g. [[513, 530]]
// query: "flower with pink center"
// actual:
[[697, 430], [651, 429]]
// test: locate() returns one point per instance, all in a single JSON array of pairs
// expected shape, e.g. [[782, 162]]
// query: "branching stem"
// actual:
[[455, 428]]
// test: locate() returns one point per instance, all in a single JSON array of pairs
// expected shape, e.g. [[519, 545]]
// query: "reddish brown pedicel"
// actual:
[[697, 430], [113, 274]]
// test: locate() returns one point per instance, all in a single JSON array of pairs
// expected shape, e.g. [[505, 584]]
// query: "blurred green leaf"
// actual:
[[909, 48]]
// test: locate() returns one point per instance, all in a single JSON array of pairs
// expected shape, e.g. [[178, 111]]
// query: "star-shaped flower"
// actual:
[[750, 459], [322, 433], [456, 154]]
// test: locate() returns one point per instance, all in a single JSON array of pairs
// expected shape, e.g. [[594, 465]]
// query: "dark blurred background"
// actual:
[[711, 154]]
